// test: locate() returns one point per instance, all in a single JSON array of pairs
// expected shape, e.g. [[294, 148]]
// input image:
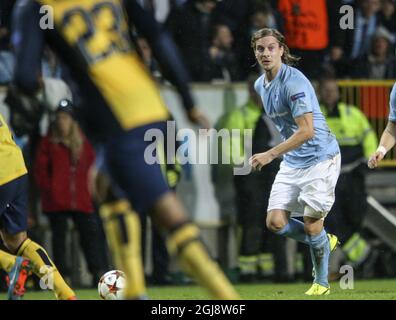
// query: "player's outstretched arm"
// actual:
[[25, 94], [387, 142], [163, 48], [168, 57], [28, 43], [197, 117]]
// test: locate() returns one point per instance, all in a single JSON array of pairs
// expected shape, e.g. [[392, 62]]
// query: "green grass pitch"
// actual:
[[367, 289]]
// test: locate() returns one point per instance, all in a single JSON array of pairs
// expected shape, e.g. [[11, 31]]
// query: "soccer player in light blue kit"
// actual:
[[305, 183], [388, 137]]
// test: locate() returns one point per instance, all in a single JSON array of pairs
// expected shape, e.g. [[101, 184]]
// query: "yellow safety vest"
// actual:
[[352, 128]]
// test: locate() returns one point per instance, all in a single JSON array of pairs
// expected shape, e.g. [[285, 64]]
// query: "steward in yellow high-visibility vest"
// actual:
[[357, 142], [354, 134], [255, 258], [232, 153]]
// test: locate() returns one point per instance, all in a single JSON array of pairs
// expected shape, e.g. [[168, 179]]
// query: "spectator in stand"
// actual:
[[380, 62], [6, 57], [63, 160], [224, 63], [354, 43], [236, 15], [387, 17], [335, 61], [263, 16], [306, 25], [190, 26]]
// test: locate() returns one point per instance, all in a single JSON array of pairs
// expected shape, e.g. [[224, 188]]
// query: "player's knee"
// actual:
[[181, 236], [313, 223], [308, 229], [312, 229], [169, 212], [13, 241], [275, 224]]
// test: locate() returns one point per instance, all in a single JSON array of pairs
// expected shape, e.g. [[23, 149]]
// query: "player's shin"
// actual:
[[45, 269], [123, 233], [184, 242], [320, 252]]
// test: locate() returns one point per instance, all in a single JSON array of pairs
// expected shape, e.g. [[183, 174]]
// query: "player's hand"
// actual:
[[375, 159], [214, 52], [99, 185], [198, 118], [259, 160]]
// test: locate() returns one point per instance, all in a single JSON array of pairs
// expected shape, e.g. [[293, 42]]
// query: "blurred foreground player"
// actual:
[[120, 103], [13, 221]]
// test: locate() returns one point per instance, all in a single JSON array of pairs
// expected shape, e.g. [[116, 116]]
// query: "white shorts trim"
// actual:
[[295, 189]]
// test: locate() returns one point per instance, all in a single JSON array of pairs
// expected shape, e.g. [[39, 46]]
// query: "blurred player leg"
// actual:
[[43, 267], [18, 271], [123, 232], [184, 241], [13, 197], [122, 226], [146, 188]]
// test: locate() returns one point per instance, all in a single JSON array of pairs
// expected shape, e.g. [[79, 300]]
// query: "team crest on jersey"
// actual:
[[297, 96]]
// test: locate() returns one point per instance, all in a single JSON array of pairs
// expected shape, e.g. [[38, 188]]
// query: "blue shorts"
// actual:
[[122, 157], [14, 205]]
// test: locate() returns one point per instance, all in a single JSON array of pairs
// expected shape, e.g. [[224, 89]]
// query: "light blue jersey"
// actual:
[[288, 96], [392, 104]]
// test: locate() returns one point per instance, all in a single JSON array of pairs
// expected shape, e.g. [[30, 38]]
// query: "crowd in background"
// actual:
[[214, 40], [214, 36]]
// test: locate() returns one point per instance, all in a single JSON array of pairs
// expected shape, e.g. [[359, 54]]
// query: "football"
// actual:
[[111, 285]]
